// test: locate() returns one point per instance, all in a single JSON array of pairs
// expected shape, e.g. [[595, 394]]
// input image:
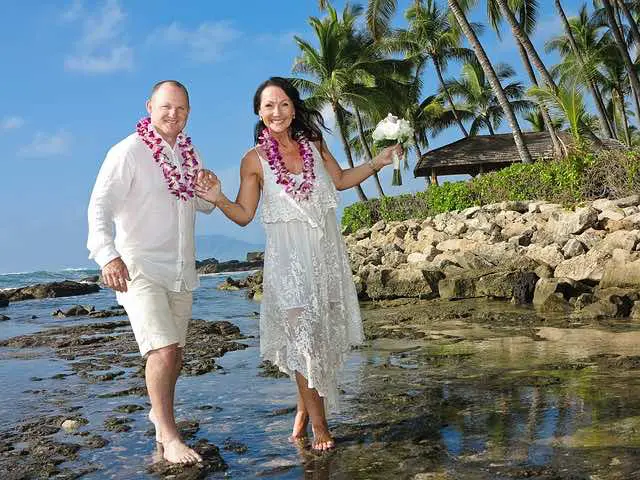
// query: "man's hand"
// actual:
[[115, 275], [208, 186]]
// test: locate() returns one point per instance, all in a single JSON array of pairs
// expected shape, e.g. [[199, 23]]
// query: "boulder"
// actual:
[[621, 271], [388, 283], [66, 288], [610, 303], [622, 239], [562, 223], [517, 285], [394, 259], [591, 237], [552, 295], [589, 266], [573, 248], [550, 255], [75, 311]]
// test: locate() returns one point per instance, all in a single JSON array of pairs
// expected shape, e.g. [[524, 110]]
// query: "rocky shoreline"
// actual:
[[583, 262]]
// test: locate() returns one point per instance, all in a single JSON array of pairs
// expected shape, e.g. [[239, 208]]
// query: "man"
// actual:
[[146, 188]]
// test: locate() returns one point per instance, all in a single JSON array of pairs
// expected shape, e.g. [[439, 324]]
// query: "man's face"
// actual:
[[169, 110]]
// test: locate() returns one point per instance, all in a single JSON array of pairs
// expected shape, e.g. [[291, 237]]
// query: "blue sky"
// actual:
[[77, 74]]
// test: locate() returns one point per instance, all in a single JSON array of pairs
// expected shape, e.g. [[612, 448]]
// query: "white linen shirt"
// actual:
[[154, 229]]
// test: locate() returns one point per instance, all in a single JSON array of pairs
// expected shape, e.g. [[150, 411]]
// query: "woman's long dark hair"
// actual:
[[307, 121]]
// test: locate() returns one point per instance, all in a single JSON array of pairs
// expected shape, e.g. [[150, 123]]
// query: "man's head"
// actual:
[[169, 108]]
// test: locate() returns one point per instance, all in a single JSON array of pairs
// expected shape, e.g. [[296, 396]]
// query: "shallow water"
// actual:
[[466, 400]]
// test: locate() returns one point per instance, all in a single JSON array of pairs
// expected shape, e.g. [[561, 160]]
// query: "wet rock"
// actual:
[[130, 408], [95, 441], [75, 311], [108, 313], [611, 302], [200, 367], [73, 424], [117, 424], [270, 370], [3, 302], [51, 290], [232, 284], [91, 279], [212, 462], [4, 318], [138, 391], [235, 446], [283, 411], [552, 294], [214, 266], [489, 283]]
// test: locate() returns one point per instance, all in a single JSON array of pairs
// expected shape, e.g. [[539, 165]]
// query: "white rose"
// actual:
[[390, 130]]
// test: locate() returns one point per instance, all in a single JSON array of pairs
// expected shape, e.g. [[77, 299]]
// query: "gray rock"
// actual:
[[573, 248], [552, 294], [387, 283], [572, 223]]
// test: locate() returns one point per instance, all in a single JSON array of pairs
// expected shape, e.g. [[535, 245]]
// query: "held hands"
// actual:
[[385, 157], [115, 275], [208, 187]]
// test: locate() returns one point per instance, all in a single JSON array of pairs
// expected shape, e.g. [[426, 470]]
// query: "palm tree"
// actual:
[[537, 121], [490, 73], [522, 27], [479, 99], [429, 36], [583, 55], [339, 71], [568, 100], [615, 85], [622, 46]]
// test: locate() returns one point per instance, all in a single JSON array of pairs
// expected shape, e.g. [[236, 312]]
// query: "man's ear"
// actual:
[[148, 105]]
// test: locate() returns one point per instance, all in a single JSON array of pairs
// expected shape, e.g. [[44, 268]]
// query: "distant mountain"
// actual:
[[224, 248]]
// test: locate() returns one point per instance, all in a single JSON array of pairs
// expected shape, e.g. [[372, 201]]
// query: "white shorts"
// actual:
[[158, 316]]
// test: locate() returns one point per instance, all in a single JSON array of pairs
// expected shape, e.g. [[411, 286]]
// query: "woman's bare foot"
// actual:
[[322, 440], [176, 451], [300, 427], [152, 418]]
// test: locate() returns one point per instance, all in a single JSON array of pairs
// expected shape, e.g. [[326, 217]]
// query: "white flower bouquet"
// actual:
[[391, 131]]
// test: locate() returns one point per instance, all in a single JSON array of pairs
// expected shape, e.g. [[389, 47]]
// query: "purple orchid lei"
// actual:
[[283, 176], [182, 186]]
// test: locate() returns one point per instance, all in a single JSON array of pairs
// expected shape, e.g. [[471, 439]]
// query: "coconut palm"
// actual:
[[429, 37], [522, 26], [537, 121], [479, 100], [333, 69], [459, 14], [614, 28], [582, 47]]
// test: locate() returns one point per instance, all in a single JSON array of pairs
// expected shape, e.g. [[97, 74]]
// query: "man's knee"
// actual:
[[169, 354]]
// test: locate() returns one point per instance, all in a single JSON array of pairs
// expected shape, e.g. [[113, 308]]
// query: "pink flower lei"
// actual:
[[283, 176], [182, 186]]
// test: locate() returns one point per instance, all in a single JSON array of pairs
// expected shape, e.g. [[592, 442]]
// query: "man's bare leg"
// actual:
[[322, 439], [176, 374], [161, 375]]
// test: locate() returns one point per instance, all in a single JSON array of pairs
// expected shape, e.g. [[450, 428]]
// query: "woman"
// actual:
[[309, 317]]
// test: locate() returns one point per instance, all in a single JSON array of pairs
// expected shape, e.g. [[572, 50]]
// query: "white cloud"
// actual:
[[277, 39], [101, 48], [205, 44], [47, 145], [11, 123]]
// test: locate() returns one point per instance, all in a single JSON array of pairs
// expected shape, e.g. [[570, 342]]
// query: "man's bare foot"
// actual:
[[152, 418], [176, 451], [322, 440], [300, 424]]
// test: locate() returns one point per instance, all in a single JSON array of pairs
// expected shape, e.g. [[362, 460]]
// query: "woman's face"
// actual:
[[276, 109]]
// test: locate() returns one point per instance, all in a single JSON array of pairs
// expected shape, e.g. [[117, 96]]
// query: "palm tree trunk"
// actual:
[[620, 43], [605, 125], [367, 150], [449, 98], [489, 127], [635, 33], [546, 118], [489, 71], [345, 144], [625, 119]]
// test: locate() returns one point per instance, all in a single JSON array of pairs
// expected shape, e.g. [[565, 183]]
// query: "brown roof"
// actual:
[[483, 153]]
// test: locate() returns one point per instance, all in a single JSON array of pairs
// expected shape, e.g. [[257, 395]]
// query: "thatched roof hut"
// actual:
[[485, 153]]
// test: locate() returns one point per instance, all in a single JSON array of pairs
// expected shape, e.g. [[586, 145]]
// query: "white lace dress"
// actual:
[[309, 317]]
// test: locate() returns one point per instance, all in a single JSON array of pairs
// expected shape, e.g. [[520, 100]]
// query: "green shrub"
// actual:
[[579, 177]]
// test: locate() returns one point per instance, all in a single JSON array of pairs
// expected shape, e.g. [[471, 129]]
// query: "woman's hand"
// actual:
[[208, 187], [385, 157]]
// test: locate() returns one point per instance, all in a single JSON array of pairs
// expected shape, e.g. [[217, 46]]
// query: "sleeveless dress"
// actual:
[[309, 316]]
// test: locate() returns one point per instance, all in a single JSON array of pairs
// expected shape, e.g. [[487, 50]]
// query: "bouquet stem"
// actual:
[[397, 178]]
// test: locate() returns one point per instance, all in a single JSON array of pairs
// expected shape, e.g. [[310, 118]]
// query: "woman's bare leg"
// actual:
[[301, 422], [314, 404]]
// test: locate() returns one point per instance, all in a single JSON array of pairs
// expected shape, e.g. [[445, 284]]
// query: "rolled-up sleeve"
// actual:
[[108, 195]]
